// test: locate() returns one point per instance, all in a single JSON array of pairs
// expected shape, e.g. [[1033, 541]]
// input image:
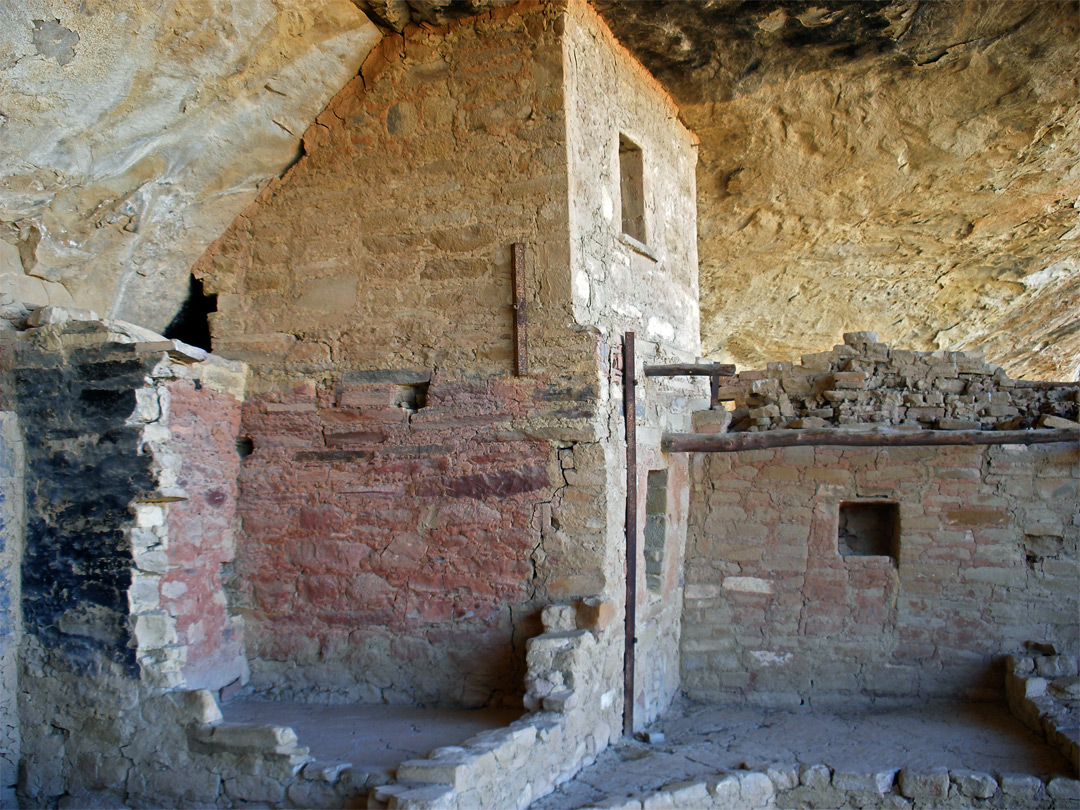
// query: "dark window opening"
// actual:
[[245, 446], [412, 397], [869, 529], [656, 521], [192, 323], [632, 189]]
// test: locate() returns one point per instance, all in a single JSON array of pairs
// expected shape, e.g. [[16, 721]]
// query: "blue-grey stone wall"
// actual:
[[83, 470], [11, 540]]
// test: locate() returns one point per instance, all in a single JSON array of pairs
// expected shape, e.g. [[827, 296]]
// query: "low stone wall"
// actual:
[[112, 741], [819, 787], [1043, 692], [572, 688], [777, 613]]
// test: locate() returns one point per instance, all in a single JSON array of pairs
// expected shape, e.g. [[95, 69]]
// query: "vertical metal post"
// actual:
[[521, 336], [630, 412]]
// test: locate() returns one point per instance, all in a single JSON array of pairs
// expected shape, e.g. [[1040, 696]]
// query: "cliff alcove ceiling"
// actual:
[[904, 166], [910, 167]]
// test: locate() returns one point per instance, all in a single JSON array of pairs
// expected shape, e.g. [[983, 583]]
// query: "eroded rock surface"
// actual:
[[898, 165], [903, 166], [132, 133]]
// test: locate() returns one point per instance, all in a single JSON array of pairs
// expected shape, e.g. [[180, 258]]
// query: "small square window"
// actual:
[[869, 529], [656, 520], [632, 189]]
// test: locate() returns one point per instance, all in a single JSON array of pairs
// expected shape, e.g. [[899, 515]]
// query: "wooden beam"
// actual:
[[690, 370], [521, 321], [734, 442]]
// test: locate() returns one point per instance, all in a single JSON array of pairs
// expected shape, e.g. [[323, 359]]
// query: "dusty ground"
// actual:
[[701, 740], [372, 738]]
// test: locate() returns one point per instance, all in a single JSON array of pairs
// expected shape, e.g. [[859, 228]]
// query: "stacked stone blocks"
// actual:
[[864, 382]]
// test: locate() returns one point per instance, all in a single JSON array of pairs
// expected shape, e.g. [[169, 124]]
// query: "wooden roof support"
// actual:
[[844, 437]]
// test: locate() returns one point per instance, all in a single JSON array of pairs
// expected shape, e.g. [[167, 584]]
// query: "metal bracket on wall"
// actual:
[[714, 371], [521, 332]]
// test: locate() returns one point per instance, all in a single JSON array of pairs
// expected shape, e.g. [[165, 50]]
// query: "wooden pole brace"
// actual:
[[734, 442]]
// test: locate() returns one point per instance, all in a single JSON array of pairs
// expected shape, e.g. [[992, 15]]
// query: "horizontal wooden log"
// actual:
[[765, 439], [1044, 385], [690, 370]]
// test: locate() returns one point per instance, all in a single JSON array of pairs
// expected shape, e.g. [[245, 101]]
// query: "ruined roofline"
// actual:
[[865, 383]]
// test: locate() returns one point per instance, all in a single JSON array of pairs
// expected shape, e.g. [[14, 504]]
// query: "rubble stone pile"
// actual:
[[864, 381]]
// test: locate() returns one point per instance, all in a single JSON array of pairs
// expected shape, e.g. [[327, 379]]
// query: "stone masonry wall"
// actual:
[[649, 287], [389, 552], [986, 561], [74, 394], [204, 421], [428, 501], [387, 246], [620, 283]]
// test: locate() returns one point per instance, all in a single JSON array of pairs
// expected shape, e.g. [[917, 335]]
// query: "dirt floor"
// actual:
[[701, 740], [371, 738]]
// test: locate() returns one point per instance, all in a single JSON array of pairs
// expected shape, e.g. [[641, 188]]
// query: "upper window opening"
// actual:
[[632, 189]]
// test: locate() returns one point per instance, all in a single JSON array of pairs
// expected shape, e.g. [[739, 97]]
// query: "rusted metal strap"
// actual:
[[630, 412], [714, 371], [521, 330], [734, 442]]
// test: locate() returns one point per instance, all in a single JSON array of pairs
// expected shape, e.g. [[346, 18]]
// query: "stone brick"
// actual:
[[931, 783], [975, 784], [872, 781], [815, 777]]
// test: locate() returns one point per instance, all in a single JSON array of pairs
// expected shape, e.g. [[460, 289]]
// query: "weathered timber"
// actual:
[[1043, 385], [734, 442], [690, 370]]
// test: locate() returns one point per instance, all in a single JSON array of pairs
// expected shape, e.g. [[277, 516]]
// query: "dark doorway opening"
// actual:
[[192, 322]]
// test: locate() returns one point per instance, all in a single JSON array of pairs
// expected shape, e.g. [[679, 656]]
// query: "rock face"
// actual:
[[897, 165], [133, 133], [902, 166]]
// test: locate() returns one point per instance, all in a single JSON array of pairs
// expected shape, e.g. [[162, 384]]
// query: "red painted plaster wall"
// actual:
[[388, 552], [204, 425]]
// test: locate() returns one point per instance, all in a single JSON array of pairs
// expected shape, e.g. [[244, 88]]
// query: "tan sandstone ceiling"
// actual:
[[907, 167], [910, 167]]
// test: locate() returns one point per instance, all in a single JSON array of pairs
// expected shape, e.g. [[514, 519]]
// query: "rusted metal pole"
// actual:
[[734, 442], [630, 413], [521, 324]]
